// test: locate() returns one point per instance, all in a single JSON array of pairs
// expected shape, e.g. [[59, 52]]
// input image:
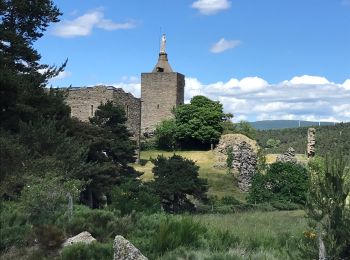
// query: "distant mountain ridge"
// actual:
[[279, 124]]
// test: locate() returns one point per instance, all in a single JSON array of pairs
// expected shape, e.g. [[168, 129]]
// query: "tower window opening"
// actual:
[[158, 106], [159, 69], [92, 110]]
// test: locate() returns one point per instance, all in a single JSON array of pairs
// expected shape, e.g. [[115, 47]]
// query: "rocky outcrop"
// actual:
[[244, 153], [124, 250], [83, 237], [311, 141], [287, 156]]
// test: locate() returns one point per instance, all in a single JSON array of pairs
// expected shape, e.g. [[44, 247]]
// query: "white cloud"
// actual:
[[61, 75], [346, 84], [308, 80], [210, 7], [302, 98], [84, 24], [223, 45]]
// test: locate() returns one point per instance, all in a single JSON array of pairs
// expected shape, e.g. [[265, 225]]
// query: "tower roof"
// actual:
[[162, 64]]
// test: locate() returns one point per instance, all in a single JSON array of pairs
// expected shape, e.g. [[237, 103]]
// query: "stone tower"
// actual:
[[161, 91]]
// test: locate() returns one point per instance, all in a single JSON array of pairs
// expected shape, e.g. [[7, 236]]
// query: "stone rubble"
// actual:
[[244, 162], [287, 156], [311, 141]]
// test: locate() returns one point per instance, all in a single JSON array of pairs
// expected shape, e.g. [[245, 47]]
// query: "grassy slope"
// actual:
[[220, 183], [260, 235]]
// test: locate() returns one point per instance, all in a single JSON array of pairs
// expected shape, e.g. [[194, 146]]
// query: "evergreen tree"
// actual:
[[327, 210], [176, 178], [22, 77], [110, 150]]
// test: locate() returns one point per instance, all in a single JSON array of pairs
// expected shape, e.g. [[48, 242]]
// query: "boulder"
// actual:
[[83, 237], [287, 156], [124, 250]]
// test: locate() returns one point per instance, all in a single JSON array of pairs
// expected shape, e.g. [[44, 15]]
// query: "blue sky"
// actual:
[[263, 59]]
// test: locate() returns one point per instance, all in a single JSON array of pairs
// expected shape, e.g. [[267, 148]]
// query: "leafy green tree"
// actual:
[[199, 122], [282, 182], [327, 210], [176, 178], [272, 143], [243, 127], [45, 199], [166, 134]]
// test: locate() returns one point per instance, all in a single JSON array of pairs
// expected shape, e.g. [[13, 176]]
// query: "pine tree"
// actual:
[[22, 77], [174, 179], [327, 209]]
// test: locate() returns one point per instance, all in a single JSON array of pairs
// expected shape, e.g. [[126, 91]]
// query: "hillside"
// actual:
[[220, 183], [328, 138], [279, 124]]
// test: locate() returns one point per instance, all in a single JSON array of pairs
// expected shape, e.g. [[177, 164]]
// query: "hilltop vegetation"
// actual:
[[328, 138], [278, 124]]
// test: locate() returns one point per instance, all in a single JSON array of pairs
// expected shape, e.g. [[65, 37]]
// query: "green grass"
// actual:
[[220, 183], [265, 226], [249, 235]]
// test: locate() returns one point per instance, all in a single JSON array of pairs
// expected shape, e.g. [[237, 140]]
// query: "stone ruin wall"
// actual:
[[311, 142], [84, 102], [160, 93]]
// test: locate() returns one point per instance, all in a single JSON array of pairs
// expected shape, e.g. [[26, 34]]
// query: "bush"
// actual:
[[284, 205], [14, 225], [128, 198], [88, 252], [282, 182]]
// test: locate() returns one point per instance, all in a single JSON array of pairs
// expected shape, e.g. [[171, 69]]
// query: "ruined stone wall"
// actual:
[[85, 101], [160, 93], [132, 108]]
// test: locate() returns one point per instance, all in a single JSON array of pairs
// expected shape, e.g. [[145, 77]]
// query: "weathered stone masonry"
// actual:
[[84, 102], [160, 93]]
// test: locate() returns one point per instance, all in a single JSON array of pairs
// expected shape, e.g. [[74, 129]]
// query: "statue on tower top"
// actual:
[[162, 44]]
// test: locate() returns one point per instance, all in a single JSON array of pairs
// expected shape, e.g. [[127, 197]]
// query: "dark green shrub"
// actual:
[[49, 237], [148, 144], [14, 224], [282, 182], [230, 200], [285, 205], [129, 197], [92, 251]]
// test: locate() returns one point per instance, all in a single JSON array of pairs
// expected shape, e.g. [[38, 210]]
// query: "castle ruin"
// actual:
[[161, 91]]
